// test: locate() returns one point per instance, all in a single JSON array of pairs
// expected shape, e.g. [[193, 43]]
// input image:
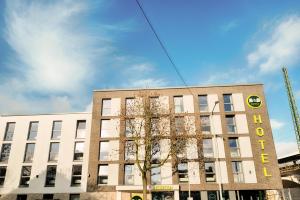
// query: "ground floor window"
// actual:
[[183, 195], [74, 196], [47, 196], [22, 197], [162, 195]]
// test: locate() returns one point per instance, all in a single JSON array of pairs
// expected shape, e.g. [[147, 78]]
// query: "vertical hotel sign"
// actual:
[[255, 102]]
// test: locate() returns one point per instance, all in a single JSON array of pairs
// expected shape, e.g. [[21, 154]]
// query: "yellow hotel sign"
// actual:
[[254, 101]]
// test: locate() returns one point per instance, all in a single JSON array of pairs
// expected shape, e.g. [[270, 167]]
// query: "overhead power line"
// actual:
[[163, 47]]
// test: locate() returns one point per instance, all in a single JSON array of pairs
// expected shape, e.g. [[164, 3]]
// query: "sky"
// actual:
[[53, 54]]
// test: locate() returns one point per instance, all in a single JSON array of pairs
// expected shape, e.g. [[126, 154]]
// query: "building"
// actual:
[[84, 156], [237, 144], [44, 156]]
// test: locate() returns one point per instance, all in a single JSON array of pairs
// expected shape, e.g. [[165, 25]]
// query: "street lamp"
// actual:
[[217, 151]]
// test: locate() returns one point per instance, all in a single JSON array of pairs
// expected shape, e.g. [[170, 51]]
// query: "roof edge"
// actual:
[[36, 114]]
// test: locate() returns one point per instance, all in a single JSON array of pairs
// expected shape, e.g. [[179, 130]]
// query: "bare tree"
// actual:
[[154, 134]]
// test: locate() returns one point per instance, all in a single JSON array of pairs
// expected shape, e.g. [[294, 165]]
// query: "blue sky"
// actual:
[[54, 53]]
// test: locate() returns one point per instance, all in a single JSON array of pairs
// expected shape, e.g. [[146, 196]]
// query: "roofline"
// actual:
[[66, 113], [288, 155], [176, 87]]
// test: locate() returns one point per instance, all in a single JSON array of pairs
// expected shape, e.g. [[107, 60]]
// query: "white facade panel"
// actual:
[[166, 174], [164, 148], [114, 150], [218, 144], [115, 106], [221, 168], [249, 171], [216, 125], [245, 147], [164, 103], [241, 123], [211, 99], [193, 170], [191, 149], [238, 102], [188, 103], [137, 176], [113, 170]]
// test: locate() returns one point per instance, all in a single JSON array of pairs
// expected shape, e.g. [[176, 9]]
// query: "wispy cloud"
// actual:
[[286, 148], [276, 124], [146, 83], [229, 26], [281, 48]]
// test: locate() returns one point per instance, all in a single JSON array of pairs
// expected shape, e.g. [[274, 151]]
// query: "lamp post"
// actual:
[[217, 152]]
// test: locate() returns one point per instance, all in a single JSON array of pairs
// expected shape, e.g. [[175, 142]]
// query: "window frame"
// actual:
[[237, 148], [211, 154], [30, 131], [26, 156], [54, 131], [80, 131], [178, 108], [103, 175], [2, 177], [155, 175], [106, 108], [74, 155], [25, 177], [203, 104], [230, 103], [230, 126], [6, 154], [51, 153], [8, 136], [52, 177], [106, 158], [205, 126], [75, 177], [213, 172], [184, 173], [131, 175], [238, 176]]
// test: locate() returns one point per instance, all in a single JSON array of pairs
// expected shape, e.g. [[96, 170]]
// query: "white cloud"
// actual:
[[281, 48], [276, 124], [142, 67], [146, 83], [229, 26], [286, 148]]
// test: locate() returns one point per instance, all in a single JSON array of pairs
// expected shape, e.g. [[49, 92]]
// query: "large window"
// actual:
[[33, 130], [179, 125], [25, 176], [9, 131], [178, 103], [155, 175], [74, 197], [231, 127], [129, 150], [228, 105], [2, 175], [48, 196], [210, 173], [155, 126], [154, 104], [208, 150], [106, 107], [234, 147], [104, 150], [106, 128], [56, 130], [29, 152], [103, 174], [50, 176], [129, 174], [129, 127], [76, 175], [78, 151], [203, 105], [237, 171], [205, 124], [54, 150], [183, 172], [22, 197], [156, 150], [5, 151], [81, 129], [130, 104]]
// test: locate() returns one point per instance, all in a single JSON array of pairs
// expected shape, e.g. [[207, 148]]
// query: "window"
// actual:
[[106, 128], [155, 175], [56, 130], [5, 151], [74, 196], [54, 150], [156, 150], [47, 196], [129, 127], [103, 174], [129, 150], [205, 124], [2, 175], [155, 126], [9, 131], [237, 171], [154, 105], [210, 173], [106, 107], [228, 105], [22, 197], [129, 174], [130, 103], [234, 147], [25, 176], [76, 175], [183, 172], [33, 129], [78, 152], [80, 130], [208, 150], [104, 150], [178, 103], [231, 127], [179, 125], [29, 152], [203, 105], [50, 176]]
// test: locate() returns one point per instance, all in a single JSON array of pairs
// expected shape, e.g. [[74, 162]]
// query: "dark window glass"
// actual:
[[234, 147], [74, 197], [33, 130], [230, 120], [76, 175], [78, 151], [203, 106], [205, 124], [25, 176], [5, 151], [50, 176], [228, 105], [210, 172], [2, 175], [54, 150], [103, 174], [183, 172], [9, 131], [47, 196], [22, 197], [29, 152], [56, 130]]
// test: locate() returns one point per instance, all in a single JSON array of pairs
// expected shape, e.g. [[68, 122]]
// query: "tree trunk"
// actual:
[[144, 177]]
